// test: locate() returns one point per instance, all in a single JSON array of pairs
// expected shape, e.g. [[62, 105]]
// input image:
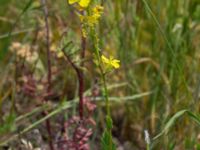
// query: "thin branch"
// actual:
[[80, 79], [46, 14], [48, 125]]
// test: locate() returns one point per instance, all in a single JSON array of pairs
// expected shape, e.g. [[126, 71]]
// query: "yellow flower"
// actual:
[[92, 20], [97, 11], [82, 3], [89, 21], [72, 1], [111, 62]]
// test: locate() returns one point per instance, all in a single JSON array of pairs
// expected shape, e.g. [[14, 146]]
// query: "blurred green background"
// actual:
[[158, 44]]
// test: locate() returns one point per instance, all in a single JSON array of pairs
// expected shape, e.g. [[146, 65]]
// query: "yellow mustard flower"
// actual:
[[89, 21], [97, 11], [72, 1], [110, 62], [82, 3], [92, 20]]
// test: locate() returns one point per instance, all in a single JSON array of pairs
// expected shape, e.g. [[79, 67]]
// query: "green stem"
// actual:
[[102, 74], [105, 89], [106, 94], [148, 147]]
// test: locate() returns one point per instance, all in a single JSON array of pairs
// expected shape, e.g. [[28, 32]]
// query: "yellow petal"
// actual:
[[73, 1], [115, 63], [104, 59], [84, 3]]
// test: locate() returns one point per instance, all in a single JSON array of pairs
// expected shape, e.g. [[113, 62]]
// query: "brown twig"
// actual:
[[46, 14], [48, 125], [79, 73], [81, 80]]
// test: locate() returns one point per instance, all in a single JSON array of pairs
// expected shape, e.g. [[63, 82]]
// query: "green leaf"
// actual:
[[198, 147], [107, 142], [9, 124], [173, 119], [109, 122]]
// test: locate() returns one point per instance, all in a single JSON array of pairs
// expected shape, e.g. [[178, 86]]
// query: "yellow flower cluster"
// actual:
[[110, 62], [92, 20], [88, 20], [81, 3]]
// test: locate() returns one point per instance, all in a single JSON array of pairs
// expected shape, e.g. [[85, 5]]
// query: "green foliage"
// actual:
[[158, 45], [107, 141], [174, 118], [198, 147], [9, 124], [109, 123]]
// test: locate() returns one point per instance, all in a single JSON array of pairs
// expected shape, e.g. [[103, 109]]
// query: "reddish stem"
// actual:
[[48, 125], [81, 78], [80, 75]]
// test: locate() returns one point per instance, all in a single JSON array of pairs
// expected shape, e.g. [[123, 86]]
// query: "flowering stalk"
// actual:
[[89, 22], [105, 65], [107, 142]]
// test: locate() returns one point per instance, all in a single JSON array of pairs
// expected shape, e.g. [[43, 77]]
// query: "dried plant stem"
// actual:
[[47, 43], [81, 78], [80, 75], [48, 124]]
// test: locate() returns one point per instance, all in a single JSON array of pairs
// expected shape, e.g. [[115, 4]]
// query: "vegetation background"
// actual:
[[156, 88]]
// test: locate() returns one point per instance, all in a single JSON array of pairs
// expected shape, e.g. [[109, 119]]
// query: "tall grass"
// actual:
[[158, 44]]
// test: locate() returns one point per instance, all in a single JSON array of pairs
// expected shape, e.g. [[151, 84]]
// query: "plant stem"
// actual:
[[81, 77], [148, 147], [106, 94], [102, 74], [48, 124], [47, 44], [79, 73], [105, 89]]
